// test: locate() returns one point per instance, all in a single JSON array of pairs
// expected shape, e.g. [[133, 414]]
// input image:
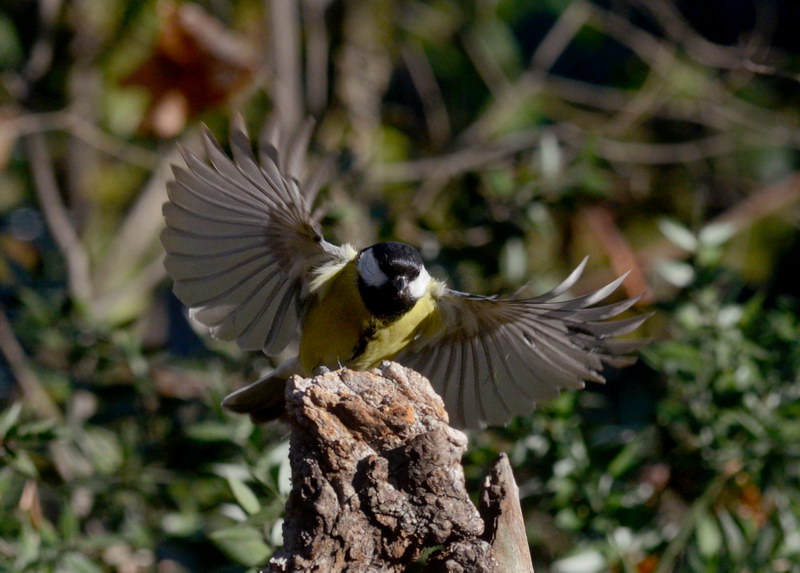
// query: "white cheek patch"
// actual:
[[419, 286], [370, 271]]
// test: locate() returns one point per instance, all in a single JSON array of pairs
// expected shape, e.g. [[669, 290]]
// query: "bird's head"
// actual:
[[391, 278]]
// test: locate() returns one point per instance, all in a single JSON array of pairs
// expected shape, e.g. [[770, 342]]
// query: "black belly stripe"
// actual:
[[368, 335]]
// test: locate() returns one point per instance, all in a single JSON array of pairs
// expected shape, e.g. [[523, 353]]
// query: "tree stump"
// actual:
[[377, 480]]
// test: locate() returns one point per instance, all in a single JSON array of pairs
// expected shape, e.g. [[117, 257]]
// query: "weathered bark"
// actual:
[[502, 514], [377, 479]]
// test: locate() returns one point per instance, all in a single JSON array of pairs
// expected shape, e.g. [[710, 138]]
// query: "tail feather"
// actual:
[[263, 400]]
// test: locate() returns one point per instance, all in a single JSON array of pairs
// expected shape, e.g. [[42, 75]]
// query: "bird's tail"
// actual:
[[263, 400]]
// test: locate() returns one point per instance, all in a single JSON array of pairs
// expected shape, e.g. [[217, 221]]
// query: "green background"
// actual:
[[507, 139]]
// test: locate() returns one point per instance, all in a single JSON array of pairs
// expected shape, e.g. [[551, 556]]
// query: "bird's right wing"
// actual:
[[241, 240]]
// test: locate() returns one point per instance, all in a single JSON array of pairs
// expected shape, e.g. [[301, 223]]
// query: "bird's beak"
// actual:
[[400, 283]]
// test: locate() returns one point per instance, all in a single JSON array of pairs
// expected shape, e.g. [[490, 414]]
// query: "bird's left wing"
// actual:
[[492, 359], [241, 241]]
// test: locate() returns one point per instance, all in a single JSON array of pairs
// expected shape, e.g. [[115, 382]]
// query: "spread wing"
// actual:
[[241, 240], [492, 359]]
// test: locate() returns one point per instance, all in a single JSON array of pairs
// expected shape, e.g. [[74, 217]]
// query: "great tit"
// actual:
[[248, 258]]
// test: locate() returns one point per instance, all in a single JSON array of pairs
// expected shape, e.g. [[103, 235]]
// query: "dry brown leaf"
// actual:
[[197, 64]]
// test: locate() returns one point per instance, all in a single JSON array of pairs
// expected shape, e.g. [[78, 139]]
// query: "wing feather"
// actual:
[[492, 389], [241, 241], [491, 359]]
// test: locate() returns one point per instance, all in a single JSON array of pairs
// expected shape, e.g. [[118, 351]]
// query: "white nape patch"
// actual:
[[369, 270], [419, 286]]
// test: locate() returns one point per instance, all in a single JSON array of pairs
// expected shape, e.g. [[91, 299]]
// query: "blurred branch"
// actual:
[[530, 83], [137, 233], [704, 52], [476, 157], [435, 110], [769, 70], [33, 393], [287, 85], [766, 201], [41, 54], [559, 37], [143, 281], [662, 58], [318, 54], [604, 230], [719, 109], [648, 153], [57, 217], [76, 126], [484, 62], [452, 164]]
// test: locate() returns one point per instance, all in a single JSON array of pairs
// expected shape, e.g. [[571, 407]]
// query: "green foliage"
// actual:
[[490, 134], [104, 498], [710, 483], [130, 476]]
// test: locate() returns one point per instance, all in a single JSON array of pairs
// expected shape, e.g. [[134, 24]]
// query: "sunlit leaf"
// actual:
[[22, 462], [735, 543], [678, 234], [627, 458], [709, 537], [677, 273], [285, 477], [716, 234], [585, 562], [244, 495], [103, 449], [245, 544], [28, 546], [74, 562], [210, 432], [181, 524], [9, 418]]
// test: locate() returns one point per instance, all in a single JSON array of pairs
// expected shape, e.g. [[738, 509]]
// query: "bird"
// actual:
[[247, 256]]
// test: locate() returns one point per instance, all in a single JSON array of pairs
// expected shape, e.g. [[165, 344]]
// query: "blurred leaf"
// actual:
[[626, 459], [27, 548], [243, 543], [514, 261], [10, 49], [550, 158], [244, 495], [197, 64], [103, 449], [716, 234], [210, 432], [678, 234], [677, 273], [68, 524], [9, 418], [285, 477], [181, 524], [735, 543], [41, 429], [73, 562], [709, 537], [586, 562], [22, 462]]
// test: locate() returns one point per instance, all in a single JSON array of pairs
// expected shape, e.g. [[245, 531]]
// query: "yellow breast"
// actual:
[[339, 330]]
